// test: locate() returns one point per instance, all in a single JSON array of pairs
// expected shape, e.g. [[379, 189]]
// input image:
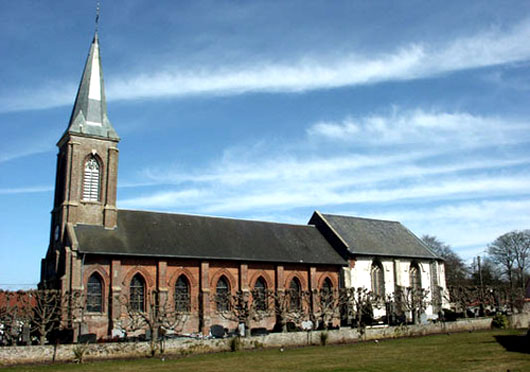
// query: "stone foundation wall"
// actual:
[[65, 353]]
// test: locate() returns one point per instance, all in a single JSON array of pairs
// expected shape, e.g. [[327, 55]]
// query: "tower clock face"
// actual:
[[56, 233]]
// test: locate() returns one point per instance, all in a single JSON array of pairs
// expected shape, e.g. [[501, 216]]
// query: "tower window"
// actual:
[[91, 180]]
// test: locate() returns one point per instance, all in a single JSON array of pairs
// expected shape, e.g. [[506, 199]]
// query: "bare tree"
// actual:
[[456, 272], [289, 306], [511, 252], [325, 307], [244, 307], [357, 305], [11, 317], [463, 297], [159, 316], [46, 305], [414, 301]]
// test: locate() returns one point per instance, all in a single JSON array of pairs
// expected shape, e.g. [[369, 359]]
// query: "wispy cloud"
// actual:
[[489, 47], [421, 126], [26, 190], [471, 225], [243, 182]]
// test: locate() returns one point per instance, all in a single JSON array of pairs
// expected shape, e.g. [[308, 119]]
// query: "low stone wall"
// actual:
[[520, 320], [66, 353]]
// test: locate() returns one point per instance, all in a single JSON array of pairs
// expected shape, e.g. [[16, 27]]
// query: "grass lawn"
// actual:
[[498, 350]]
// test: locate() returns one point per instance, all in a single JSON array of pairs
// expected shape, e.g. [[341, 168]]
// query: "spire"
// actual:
[[89, 116]]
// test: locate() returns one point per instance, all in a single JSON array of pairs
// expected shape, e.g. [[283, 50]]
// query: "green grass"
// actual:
[[498, 350]]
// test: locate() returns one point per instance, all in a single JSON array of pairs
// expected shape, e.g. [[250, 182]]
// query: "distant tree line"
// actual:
[[497, 281]]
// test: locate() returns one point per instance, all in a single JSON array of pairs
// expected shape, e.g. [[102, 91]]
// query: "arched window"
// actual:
[[436, 294], [182, 294], [137, 293], [222, 291], [327, 286], [260, 294], [326, 293], [295, 293], [94, 295], [378, 279], [415, 277], [91, 178]]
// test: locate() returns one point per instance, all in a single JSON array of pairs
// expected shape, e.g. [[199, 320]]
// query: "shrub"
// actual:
[[499, 321], [79, 352], [235, 344], [323, 338]]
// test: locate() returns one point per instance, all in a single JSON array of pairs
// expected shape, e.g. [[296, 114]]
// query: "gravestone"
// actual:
[[26, 340], [87, 338], [241, 329], [307, 325], [217, 331]]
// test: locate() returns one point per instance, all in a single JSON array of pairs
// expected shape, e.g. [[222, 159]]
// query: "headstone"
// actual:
[[241, 329], [259, 332], [26, 335], [291, 327], [84, 328], [217, 331], [119, 333], [87, 338], [307, 325]]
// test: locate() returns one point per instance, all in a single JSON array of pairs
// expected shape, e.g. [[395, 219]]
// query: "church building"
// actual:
[[109, 254]]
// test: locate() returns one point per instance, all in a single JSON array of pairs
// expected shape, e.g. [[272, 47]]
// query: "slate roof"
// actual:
[[366, 236], [142, 233], [89, 115]]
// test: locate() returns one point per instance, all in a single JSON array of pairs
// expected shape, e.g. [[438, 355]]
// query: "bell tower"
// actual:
[[87, 164]]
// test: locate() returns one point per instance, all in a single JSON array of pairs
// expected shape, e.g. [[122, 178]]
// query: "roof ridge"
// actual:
[[214, 217], [360, 218]]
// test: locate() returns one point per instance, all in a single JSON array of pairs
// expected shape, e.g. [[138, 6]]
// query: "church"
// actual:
[[108, 254]]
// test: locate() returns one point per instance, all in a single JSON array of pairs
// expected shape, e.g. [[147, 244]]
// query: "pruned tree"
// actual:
[[244, 307], [463, 297], [289, 306], [325, 307], [11, 317], [159, 316], [413, 301], [357, 305], [46, 306]]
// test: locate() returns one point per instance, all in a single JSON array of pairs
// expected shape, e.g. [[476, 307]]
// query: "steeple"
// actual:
[[89, 116]]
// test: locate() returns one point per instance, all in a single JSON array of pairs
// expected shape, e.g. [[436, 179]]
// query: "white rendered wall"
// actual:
[[396, 273]]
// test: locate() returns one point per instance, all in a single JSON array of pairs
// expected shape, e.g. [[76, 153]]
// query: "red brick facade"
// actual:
[[161, 275]]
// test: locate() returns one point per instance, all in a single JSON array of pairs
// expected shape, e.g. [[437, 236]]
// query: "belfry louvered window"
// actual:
[[91, 178]]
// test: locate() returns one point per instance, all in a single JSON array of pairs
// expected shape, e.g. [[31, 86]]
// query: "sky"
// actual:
[[415, 111]]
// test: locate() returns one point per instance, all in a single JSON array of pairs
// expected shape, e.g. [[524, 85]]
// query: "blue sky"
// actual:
[[416, 111]]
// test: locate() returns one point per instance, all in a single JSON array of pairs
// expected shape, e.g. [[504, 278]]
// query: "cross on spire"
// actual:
[[97, 15]]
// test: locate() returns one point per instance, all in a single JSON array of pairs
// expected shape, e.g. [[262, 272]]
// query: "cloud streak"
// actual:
[[413, 61], [420, 127]]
